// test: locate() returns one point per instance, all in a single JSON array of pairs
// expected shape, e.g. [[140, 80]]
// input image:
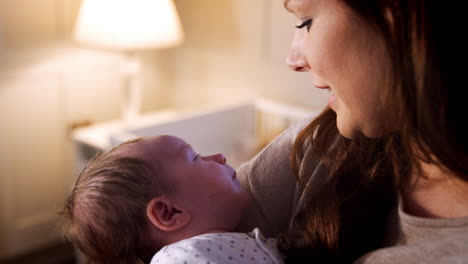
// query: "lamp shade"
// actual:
[[128, 24]]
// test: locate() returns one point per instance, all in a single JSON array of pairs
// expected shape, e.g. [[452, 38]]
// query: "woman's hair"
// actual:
[[105, 214], [349, 215]]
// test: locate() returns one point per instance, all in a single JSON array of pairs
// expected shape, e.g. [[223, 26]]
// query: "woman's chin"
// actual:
[[348, 133], [345, 126], [351, 132], [352, 128]]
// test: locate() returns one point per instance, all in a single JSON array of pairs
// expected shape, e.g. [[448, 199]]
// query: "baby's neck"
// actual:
[[185, 234], [213, 230]]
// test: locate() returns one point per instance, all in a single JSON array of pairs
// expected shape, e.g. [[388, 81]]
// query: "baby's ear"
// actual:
[[165, 215]]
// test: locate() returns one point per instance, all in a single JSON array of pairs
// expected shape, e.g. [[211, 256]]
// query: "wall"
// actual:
[[48, 84], [236, 49]]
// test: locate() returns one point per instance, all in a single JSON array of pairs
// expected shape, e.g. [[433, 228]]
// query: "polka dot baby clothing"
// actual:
[[221, 248]]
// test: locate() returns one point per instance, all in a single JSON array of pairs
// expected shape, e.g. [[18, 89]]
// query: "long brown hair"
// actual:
[[348, 216]]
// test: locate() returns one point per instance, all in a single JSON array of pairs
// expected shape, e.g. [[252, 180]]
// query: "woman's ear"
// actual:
[[166, 216]]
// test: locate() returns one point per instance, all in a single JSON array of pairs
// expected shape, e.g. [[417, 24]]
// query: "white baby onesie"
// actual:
[[221, 248]]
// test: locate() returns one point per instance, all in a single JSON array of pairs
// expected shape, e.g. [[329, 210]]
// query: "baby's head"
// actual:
[[147, 193]]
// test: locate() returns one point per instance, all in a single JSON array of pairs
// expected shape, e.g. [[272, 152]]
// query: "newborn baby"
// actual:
[[156, 200]]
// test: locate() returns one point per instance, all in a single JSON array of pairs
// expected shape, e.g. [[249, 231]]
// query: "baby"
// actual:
[[155, 200]]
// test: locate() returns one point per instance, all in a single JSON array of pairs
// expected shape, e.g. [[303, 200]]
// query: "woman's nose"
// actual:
[[296, 60], [219, 158]]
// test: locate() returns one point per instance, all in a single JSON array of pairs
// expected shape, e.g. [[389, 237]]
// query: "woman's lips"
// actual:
[[322, 87], [332, 98]]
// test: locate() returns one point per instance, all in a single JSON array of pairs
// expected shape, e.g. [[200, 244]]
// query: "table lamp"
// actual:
[[129, 26]]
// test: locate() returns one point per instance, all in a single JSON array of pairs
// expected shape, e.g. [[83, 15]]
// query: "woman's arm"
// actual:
[[269, 179]]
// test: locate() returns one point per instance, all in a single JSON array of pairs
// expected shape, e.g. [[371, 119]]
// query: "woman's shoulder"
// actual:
[[415, 239], [447, 249]]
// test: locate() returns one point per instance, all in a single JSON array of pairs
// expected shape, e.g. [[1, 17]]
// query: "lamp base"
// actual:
[[131, 89]]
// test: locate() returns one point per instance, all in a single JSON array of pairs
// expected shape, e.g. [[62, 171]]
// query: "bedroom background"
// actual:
[[233, 50]]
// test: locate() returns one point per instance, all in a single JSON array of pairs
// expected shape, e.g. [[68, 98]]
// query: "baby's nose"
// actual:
[[219, 158]]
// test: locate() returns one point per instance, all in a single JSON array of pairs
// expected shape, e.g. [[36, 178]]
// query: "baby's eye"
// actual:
[[307, 23]]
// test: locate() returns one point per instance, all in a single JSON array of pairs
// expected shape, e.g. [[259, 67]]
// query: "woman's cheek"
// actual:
[[319, 56]]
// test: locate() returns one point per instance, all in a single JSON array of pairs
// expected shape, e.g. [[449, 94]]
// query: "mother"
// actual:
[[381, 175]]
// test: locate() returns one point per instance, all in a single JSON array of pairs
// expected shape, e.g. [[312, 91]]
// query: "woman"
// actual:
[[381, 175]]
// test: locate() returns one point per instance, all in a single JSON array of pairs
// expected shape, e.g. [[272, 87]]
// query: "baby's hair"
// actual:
[[105, 214]]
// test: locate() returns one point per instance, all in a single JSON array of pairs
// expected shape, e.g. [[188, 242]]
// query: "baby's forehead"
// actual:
[[128, 150], [153, 147]]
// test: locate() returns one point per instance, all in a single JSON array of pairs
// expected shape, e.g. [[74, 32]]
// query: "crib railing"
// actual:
[[272, 118]]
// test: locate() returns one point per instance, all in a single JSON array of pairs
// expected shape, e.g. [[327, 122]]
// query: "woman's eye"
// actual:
[[306, 23], [196, 157]]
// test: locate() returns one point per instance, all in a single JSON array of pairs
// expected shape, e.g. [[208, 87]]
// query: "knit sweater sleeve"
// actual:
[[271, 183]]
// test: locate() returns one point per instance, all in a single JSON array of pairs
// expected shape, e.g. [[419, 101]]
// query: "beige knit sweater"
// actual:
[[277, 198]]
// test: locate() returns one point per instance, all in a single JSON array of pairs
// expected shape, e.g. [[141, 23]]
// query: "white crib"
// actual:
[[237, 131]]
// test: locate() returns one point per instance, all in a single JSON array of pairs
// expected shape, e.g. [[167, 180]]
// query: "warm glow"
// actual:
[[129, 24]]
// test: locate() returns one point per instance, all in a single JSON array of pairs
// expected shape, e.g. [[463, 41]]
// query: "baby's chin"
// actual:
[[238, 209]]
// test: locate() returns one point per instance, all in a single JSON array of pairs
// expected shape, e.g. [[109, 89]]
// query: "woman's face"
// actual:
[[346, 56]]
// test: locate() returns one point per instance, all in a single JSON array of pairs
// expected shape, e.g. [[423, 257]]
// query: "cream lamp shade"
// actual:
[[128, 24]]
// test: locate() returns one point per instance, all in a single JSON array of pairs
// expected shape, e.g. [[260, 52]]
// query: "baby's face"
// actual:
[[204, 184]]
